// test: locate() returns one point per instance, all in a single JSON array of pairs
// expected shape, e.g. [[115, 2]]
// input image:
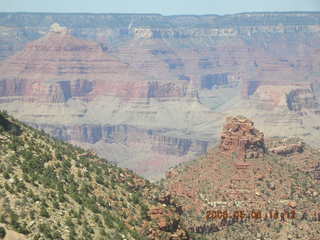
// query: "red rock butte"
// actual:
[[59, 66], [241, 138]]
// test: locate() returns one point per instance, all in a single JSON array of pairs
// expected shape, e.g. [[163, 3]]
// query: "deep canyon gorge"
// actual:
[[149, 91]]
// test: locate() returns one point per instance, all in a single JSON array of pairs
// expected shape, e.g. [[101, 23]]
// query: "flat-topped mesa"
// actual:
[[241, 138]]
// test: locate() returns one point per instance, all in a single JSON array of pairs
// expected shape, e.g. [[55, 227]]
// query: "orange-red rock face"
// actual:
[[239, 137], [60, 54], [59, 66], [224, 62], [255, 49]]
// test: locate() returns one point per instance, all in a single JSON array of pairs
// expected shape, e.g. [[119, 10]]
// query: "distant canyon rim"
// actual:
[[149, 91]]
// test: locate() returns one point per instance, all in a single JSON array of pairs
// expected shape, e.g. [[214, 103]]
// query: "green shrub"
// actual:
[[6, 175], [2, 232], [45, 230], [44, 212]]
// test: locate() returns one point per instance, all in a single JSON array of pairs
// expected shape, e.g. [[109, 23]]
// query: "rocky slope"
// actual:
[[53, 190], [278, 181]]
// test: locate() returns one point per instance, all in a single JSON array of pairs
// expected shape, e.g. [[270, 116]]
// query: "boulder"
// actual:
[[292, 204], [166, 219], [288, 148]]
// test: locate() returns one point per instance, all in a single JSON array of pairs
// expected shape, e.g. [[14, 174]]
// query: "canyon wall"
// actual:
[[252, 46], [148, 152], [125, 134], [150, 91]]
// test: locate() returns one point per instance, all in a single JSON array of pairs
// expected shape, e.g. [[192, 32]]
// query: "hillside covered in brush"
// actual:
[[53, 190]]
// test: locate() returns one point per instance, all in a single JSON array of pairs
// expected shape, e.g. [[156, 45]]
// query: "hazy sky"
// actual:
[[165, 7]]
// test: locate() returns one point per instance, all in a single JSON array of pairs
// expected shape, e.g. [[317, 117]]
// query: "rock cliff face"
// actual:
[[253, 46], [239, 137], [94, 73], [300, 99], [58, 67], [296, 97], [131, 146], [127, 135]]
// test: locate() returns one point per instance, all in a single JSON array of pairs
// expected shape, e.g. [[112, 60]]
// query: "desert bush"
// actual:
[[2, 232]]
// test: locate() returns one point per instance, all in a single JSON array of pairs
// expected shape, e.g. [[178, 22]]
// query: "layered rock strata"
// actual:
[[240, 138], [79, 93], [126, 135], [59, 67], [144, 71], [254, 47]]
